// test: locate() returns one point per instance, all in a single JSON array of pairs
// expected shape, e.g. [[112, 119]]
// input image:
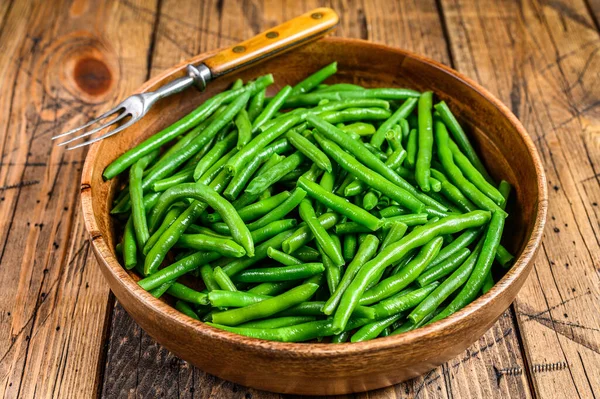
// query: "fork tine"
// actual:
[[89, 133], [98, 119], [108, 134]]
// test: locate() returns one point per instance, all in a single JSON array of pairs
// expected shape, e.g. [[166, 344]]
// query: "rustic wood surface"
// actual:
[[61, 332]]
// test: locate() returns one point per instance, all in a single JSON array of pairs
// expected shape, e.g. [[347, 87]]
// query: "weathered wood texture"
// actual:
[[60, 62]]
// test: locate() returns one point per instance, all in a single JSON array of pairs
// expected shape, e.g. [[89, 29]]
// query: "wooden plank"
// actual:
[[137, 366], [549, 76], [61, 62]]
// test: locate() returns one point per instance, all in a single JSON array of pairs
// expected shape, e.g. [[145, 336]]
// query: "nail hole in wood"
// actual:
[[239, 49], [272, 35]]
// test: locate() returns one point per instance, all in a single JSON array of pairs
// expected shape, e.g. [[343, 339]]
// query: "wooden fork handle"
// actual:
[[291, 34]]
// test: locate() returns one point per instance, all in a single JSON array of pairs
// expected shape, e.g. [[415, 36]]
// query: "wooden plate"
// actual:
[[315, 369]]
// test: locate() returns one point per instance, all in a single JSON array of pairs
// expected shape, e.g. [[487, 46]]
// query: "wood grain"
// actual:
[[421, 29], [60, 63], [549, 76]]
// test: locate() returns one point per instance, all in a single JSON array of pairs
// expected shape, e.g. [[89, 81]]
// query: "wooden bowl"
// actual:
[[329, 369]]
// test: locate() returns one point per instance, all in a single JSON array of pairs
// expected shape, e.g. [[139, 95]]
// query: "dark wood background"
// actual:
[[61, 332]]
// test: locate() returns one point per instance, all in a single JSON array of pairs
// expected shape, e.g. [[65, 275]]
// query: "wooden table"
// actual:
[[62, 334]]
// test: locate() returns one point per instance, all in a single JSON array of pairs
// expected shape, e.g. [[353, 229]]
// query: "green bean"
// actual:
[[260, 253], [474, 176], [315, 98], [307, 254], [254, 147], [395, 160], [404, 277], [396, 232], [295, 333], [375, 151], [256, 104], [273, 160], [187, 294], [282, 257], [461, 138], [425, 141], [411, 149], [340, 205], [177, 269], [481, 269], [393, 210], [340, 87], [366, 251], [404, 128], [274, 174], [206, 272], [277, 322], [271, 108], [281, 273], [456, 175], [370, 200], [435, 185], [504, 188], [446, 288], [309, 150], [186, 175], [265, 232], [307, 213], [280, 211], [186, 310], [350, 247], [332, 271], [138, 211], [303, 234], [267, 307], [402, 112], [129, 246], [443, 269], [370, 177], [327, 182], [256, 210], [462, 241], [313, 173], [216, 168], [272, 288], [359, 128], [354, 114], [372, 330], [393, 253], [315, 308], [244, 127], [234, 299], [315, 79], [453, 193], [223, 280], [195, 229], [240, 180], [403, 301], [216, 153], [182, 125], [201, 242]]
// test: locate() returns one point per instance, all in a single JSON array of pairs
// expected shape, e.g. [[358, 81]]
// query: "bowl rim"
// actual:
[[106, 256]]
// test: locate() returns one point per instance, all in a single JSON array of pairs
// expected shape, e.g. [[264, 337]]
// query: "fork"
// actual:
[[291, 34]]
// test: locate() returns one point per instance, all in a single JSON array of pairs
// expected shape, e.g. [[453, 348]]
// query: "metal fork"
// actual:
[[137, 105], [303, 29]]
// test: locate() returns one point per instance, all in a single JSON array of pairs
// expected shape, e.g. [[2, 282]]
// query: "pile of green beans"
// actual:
[[326, 212]]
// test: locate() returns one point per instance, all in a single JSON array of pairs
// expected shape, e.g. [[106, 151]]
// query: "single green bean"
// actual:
[[277, 322], [186, 309], [340, 205], [315, 98], [402, 112], [223, 280], [187, 294], [282, 257], [372, 330], [138, 211], [129, 246], [425, 141], [462, 241], [303, 234], [282, 273], [206, 272], [315, 79], [271, 108], [201, 242], [349, 247], [244, 127], [256, 210], [359, 128], [274, 174], [443, 269], [403, 301], [460, 137], [307, 213], [267, 307], [309, 150], [256, 104], [396, 232]]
